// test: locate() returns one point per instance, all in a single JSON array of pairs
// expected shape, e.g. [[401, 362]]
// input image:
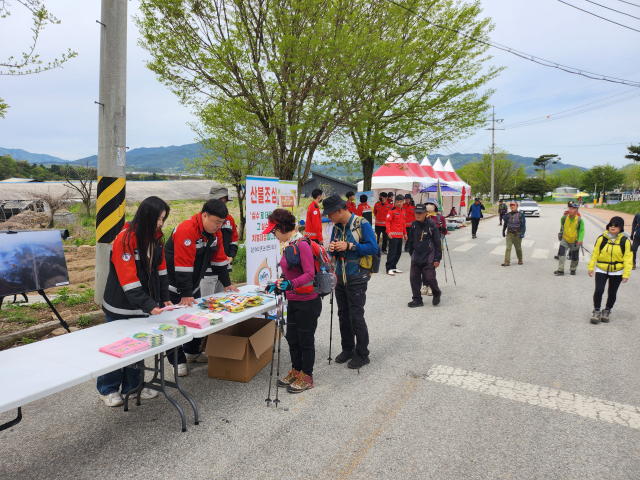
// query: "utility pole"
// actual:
[[493, 144], [111, 135]]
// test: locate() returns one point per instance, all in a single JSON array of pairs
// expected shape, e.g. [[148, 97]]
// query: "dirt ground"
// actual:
[[81, 263]]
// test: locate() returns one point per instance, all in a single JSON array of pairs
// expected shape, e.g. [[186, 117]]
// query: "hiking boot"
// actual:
[[595, 317], [505, 264], [520, 262], [344, 356], [556, 257], [573, 272], [558, 273], [436, 300], [384, 252], [414, 304], [289, 379], [359, 361], [634, 267], [303, 382], [604, 317]]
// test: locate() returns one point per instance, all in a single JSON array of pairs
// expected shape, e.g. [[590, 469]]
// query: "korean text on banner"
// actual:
[[262, 250], [288, 196]]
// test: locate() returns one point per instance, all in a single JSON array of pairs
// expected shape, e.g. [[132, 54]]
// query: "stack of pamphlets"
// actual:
[[169, 331], [154, 340], [214, 318], [193, 321], [125, 347]]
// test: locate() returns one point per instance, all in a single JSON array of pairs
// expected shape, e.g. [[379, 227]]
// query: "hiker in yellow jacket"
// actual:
[[612, 260]]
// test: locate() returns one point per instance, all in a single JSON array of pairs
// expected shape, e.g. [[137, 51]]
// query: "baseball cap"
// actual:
[[420, 208], [407, 196], [270, 228], [216, 193], [390, 194]]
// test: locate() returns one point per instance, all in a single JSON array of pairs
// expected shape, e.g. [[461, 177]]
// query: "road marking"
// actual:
[[498, 250], [527, 243], [463, 239], [494, 240], [556, 245], [465, 247], [576, 404], [368, 433], [540, 253]]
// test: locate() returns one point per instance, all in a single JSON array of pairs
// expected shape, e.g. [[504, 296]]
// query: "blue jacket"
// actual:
[[367, 245], [635, 227], [475, 211]]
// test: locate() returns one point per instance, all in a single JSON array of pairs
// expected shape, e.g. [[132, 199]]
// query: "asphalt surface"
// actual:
[[392, 420]]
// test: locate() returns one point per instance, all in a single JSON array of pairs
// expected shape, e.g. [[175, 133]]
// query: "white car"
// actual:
[[530, 208]]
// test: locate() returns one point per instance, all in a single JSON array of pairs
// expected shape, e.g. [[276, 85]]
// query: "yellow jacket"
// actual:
[[609, 257]]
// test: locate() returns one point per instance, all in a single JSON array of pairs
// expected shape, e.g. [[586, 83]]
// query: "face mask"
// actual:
[[431, 208]]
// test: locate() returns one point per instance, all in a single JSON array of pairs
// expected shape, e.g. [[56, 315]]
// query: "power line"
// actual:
[[564, 146], [635, 5], [526, 56], [606, 19], [613, 10]]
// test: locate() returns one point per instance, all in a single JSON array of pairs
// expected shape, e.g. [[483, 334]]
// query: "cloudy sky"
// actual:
[[54, 113]]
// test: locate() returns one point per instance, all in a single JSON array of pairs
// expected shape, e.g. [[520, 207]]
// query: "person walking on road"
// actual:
[[571, 236], [612, 261], [635, 238], [502, 210], [397, 232], [352, 245], [514, 225], [425, 248], [475, 214], [380, 214], [409, 215], [313, 223], [566, 212]]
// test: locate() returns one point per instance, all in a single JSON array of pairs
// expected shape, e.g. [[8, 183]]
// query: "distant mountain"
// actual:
[[171, 159]]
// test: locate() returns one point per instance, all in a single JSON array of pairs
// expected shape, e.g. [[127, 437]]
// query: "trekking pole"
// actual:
[[273, 356], [346, 290], [331, 328], [279, 323], [445, 261], [450, 264]]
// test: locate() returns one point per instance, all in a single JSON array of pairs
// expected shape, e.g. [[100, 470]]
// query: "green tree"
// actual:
[[566, 177], [84, 185], [29, 62], [634, 153], [545, 161], [7, 167], [508, 175], [596, 176], [534, 187], [291, 70], [431, 81]]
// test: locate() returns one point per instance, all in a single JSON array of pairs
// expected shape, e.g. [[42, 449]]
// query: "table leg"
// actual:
[[13, 422], [184, 394], [166, 394], [138, 389]]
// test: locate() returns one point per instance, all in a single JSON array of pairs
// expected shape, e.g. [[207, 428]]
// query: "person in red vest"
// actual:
[[351, 202], [397, 232], [364, 210], [380, 214], [313, 224], [409, 216]]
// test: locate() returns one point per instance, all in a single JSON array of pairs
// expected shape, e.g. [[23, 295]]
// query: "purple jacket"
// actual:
[[300, 277]]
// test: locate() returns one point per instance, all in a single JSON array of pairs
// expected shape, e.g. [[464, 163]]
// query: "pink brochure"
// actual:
[[125, 347]]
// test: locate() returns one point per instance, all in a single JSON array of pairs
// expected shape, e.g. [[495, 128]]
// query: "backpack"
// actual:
[[368, 262], [606, 240], [564, 217], [323, 282]]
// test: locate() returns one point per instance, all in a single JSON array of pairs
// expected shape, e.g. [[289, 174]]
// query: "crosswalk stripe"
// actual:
[[494, 240], [465, 247], [499, 250], [527, 243], [463, 239], [556, 244], [540, 253]]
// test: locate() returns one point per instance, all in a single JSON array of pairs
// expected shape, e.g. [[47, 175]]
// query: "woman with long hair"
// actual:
[[304, 305], [136, 285]]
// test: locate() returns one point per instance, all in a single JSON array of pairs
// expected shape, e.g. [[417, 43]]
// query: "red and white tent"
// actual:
[[393, 175], [448, 167]]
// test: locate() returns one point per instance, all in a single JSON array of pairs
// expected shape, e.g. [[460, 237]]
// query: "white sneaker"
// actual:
[[397, 271], [182, 369], [112, 400], [390, 272], [147, 394], [424, 290], [196, 357], [429, 292]]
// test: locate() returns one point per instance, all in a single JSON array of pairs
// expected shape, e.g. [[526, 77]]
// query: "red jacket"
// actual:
[[396, 224], [351, 206], [230, 237], [193, 254], [130, 290], [380, 214], [408, 213], [441, 222], [362, 208], [313, 225]]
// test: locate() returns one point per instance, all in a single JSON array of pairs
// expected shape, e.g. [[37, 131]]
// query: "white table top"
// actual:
[[170, 317]]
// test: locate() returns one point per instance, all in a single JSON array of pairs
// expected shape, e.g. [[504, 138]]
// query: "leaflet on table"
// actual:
[[199, 321], [125, 347], [154, 340], [168, 308], [170, 331], [232, 303]]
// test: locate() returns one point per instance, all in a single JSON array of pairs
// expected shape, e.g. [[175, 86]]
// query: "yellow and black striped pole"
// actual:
[[110, 208]]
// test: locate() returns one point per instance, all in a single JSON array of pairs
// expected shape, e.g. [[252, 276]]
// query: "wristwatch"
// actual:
[[353, 247]]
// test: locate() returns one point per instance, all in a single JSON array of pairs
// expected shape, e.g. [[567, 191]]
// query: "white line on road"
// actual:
[[494, 240], [527, 243], [594, 408], [498, 250], [463, 239], [556, 245], [540, 253], [465, 247]]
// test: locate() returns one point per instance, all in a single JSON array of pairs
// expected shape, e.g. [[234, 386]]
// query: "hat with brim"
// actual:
[[390, 194], [618, 222], [420, 208], [513, 203], [333, 203], [217, 193], [270, 228]]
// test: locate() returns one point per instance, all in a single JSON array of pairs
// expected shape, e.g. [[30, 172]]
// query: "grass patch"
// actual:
[[624, 207], [26, 340], [16, 314], [84, 296], [84, 320]]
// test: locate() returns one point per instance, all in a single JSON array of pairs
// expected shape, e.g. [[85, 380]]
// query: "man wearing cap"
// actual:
[[409, 216], [475, 214], [313, 224], [229, 229], [514, 225], [571, 236], [380, 214], [352, 238], [502, 210], [425, 248], [364, 210], [396, 231], [351, 202], [566, 212]]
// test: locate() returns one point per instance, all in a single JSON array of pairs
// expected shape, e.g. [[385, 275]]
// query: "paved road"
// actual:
[[505, 379]]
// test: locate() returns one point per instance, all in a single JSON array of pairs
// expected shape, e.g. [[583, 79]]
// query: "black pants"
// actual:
[[601, 281], [634, 247], [501, 217], [381, 230], [395, 251], [192, 347], [474, 226], [351, 300], [426, 275], [302, 321]]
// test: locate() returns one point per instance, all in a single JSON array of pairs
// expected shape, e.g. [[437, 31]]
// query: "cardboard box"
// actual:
[[239, 352]]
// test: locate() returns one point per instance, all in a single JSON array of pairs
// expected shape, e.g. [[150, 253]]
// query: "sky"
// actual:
[[54, 112]]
